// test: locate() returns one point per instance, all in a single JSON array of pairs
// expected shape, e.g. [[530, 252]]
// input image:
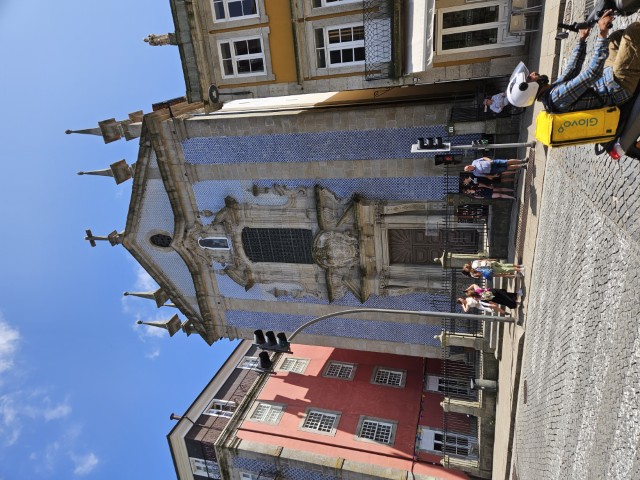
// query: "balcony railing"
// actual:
[[379, 33]]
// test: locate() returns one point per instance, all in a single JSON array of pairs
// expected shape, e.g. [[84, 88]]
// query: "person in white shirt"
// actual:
[[486, 306], [497, 103]]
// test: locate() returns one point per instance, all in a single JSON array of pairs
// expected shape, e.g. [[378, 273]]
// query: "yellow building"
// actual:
[[264, 48]]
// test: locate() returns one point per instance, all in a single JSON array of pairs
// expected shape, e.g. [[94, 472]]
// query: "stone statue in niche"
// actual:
[[335, 250]]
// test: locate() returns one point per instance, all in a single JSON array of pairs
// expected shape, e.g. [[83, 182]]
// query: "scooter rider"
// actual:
[[610, 78]]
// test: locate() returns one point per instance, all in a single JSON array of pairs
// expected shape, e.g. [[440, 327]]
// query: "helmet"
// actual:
[[521, 93]]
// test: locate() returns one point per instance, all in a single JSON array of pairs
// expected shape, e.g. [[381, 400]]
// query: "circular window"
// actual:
[[161, 240]]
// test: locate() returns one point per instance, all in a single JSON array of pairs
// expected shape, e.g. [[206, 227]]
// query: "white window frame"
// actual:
[[228, 247], [249, 363], [448, 386], [368, 422], [266, 412], [504, 39], [391, 372], [312, 413], [225, 409], [351, 366], [204, 468], [428, 443], [226, 12], [337, 46], [294, 365], [235, 59]]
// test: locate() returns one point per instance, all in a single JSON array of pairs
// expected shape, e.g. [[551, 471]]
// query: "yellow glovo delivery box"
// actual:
[[575, 128]]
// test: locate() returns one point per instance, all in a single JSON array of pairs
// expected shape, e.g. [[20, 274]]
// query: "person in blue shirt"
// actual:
[[610, 78], [493, 168]]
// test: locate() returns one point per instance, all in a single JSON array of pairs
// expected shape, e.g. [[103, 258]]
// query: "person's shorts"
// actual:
[[498, 166]]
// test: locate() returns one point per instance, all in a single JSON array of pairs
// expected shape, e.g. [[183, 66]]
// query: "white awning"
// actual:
[[419, 47]]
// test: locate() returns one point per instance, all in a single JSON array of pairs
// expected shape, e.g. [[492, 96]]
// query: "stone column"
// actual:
[[448, 339]]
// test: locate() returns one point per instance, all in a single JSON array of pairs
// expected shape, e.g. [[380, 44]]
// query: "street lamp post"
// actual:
[[422, 313]]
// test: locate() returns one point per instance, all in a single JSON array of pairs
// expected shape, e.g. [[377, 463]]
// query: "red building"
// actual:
[[326, 413]]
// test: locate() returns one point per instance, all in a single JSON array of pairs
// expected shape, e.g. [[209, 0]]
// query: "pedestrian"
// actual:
[[611, 78], [496, 103], [497, 295], [488, 268], [486, 306], [488, 192], [493, 168]]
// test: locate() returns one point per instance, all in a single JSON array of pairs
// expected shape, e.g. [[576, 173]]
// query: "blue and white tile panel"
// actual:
[[421, 334], [373, 144], [288, 473]]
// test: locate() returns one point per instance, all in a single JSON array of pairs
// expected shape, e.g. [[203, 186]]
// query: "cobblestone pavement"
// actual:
[[578, 415]]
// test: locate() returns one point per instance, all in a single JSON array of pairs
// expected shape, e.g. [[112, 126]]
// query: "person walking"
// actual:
[[497, 295], [488, 268], [468, 303], [493, 168], [486, 192]]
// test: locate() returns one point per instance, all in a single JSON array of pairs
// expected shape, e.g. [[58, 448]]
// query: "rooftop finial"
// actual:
[[114, 238], [159, 40], [111, 130], [120, 171], [160, 296], [172, 325]]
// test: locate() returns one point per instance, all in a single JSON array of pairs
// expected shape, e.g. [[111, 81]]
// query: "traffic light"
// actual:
[[434, 144], [270, 341], [265, 361], [448, 159]]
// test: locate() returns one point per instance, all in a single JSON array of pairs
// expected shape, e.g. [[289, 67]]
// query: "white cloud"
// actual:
[[144, 282], [84, 464], [59, 411], [9, 338], [153, 354], [10, 424], [18, 407]]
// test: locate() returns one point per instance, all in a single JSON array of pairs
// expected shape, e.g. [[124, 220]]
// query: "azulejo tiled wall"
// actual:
[[372, 144], [409, 333], [289, 473]]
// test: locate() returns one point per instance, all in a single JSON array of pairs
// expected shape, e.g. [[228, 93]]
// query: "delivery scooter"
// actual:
[[626, 140]]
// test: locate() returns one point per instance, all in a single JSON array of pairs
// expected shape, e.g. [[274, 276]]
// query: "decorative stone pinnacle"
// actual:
[[159, 40], [111, 130], [173, 325], [160, 296]]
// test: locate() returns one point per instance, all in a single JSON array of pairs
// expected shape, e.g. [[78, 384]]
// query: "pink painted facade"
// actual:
[[384, 397]]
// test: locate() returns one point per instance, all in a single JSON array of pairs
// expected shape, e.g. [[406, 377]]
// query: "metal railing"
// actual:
[[379, 31]]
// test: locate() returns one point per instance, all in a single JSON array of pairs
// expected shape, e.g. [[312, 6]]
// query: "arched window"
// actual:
[[279, 245]]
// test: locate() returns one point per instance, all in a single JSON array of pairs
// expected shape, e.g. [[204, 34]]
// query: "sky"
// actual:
[[84, 392]]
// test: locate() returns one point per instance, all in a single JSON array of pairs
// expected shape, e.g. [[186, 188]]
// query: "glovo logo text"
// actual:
[[581, 122]]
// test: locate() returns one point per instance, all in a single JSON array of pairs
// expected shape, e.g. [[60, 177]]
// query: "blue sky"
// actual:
[[84, 392]]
